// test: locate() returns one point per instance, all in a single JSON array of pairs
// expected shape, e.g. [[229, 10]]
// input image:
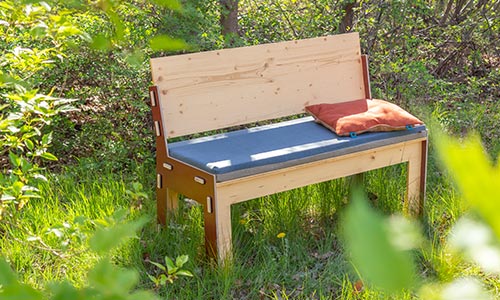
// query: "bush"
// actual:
[[35, 39]]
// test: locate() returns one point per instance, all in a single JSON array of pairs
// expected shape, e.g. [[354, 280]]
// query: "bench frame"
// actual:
[[176, 178]]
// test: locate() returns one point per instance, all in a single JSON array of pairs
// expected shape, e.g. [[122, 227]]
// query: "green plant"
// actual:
[[170, 271], [35, 38], [381, 249], [137, 195], [105, 281]]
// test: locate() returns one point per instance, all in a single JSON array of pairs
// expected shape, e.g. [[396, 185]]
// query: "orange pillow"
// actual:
[[355, 117]]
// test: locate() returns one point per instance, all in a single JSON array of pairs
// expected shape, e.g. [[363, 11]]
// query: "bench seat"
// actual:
[[265, 148]]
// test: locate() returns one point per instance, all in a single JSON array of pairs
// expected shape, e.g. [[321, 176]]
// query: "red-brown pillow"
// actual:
[[355, 117]]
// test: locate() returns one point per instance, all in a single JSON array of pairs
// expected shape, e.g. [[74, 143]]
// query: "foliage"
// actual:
[[35, 38], [438, 54], [197, 24], [376, 251], [272, 21], [374, 248], [105, 281], [438, 57], [40, 35], [170, 271]]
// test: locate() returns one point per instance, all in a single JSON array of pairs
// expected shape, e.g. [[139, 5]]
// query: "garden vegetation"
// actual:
[[77, 215]]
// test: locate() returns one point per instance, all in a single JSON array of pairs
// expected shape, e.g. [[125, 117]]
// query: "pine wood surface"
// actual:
[[216, 89]]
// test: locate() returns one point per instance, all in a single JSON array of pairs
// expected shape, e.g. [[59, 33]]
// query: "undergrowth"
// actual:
[[286, 245]]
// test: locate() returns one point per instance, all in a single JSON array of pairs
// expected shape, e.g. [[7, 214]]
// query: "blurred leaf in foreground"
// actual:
[[107, 238], [477, 242], [10, 288], [166, 43], [172, 4], [463, 288], [380, 260], [475, 175]]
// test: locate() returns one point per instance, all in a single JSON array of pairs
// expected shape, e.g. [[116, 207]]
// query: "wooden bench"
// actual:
[[207, 91]]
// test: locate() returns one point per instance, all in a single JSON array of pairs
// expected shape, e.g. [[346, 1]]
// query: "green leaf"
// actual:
[[153, 279], [6, 5], [372, 252], [14, 159], [111, 280], [170, 265], [21, 291], [17, 187], [68, 30], [184, 273], [137, 186], [101, 42], [166, 43], [7, 276], [171, 4], [48, 156], [64, 290], [118, 23], [181, 260], [135, 59], [39, 30], [47, 139], [29, 144], [162, 267], [163, 279], [142, 295], [120, 215], [11, 288], [108, 238], [475, 175]]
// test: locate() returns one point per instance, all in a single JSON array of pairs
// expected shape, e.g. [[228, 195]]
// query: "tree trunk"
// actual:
[[347, 20], [229, 18]]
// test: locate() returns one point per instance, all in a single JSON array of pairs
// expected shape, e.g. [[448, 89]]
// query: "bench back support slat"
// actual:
[[217, 89]]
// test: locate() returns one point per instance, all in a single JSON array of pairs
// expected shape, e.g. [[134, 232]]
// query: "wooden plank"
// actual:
[[416, 178], [217, 89], [251, 187], [172, 201], [224, 234]]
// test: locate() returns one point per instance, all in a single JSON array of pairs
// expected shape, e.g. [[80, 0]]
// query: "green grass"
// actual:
[[308, 263]]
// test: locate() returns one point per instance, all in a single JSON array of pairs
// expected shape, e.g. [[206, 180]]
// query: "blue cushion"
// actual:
[[264, 148]]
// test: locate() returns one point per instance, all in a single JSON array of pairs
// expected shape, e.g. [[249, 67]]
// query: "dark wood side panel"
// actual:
[[161, 154], [182, 178]]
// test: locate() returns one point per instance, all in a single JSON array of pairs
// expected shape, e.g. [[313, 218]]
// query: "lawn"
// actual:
[[50, 242], [97, 204]]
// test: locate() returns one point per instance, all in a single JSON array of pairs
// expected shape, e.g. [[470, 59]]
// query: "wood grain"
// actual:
[[251, 187], [216, 89]]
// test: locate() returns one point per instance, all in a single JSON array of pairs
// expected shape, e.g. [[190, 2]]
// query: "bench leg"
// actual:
[[417, 171], [218, 231], [166, 203]]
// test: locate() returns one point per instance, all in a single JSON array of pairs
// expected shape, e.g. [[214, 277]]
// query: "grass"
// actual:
[[50, 240], [308, 263]]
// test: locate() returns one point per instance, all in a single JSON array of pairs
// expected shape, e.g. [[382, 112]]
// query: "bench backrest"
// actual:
[[217, 89]]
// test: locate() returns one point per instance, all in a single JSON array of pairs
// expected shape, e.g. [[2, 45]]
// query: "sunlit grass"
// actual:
[[307, 260]]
